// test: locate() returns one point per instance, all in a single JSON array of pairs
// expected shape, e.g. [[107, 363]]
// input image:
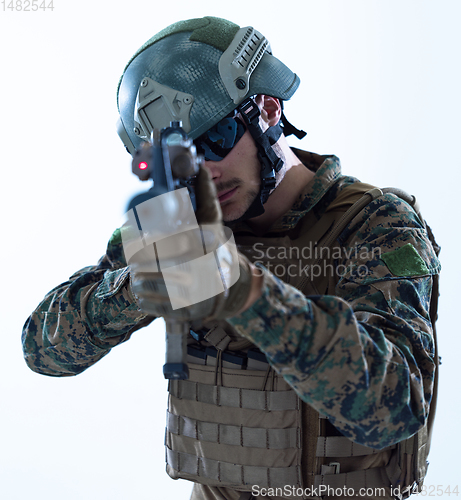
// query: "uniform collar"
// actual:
[[327, 169]]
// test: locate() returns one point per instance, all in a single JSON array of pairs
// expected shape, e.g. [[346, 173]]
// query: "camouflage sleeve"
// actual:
[[79, 321], [364, 356]]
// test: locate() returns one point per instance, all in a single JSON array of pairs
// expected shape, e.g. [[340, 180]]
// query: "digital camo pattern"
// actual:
[[79, 321], [364, 356]]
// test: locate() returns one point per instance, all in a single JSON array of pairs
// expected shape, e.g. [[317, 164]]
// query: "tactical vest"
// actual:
[[236, 423]]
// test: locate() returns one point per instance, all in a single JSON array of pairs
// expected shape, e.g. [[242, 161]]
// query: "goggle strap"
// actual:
[[289, 129]]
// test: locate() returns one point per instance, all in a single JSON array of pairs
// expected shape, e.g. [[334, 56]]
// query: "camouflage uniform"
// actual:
[[363, 356]]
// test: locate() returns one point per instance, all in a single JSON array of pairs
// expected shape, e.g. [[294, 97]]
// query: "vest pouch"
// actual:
[[245, 431]]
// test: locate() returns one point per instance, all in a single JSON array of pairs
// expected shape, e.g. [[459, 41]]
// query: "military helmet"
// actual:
[[196, 71]]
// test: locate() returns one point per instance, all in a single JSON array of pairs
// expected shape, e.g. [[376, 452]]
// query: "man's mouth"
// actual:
[[225, 195]]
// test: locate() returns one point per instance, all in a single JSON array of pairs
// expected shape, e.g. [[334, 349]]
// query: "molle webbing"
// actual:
[[242, 476], [235, 435], [339, 446], [276, 439], [227, 471], [270, 477], [203, 443], [234, 397]]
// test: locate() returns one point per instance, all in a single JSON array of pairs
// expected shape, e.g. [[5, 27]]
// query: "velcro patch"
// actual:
[[116, 237], [405, 261]]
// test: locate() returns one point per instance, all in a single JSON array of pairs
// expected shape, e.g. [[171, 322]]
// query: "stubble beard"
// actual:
[[235, 212]]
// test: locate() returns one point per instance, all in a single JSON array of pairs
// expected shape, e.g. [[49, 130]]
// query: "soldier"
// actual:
[[314, 374]]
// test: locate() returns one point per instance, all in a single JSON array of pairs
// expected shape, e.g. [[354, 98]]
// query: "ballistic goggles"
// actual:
[[218, 141]]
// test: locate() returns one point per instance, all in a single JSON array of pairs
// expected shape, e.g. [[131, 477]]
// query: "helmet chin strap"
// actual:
[[270, 162]]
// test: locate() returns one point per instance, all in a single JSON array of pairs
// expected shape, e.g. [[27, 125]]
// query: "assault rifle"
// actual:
[[170, 160]]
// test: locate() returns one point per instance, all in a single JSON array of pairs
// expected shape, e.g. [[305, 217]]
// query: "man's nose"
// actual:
[[214, 169]]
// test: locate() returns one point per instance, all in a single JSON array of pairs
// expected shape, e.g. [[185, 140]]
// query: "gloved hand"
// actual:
[[202, 276]]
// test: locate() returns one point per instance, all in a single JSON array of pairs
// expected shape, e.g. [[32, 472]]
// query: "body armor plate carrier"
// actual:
[[233, 427]]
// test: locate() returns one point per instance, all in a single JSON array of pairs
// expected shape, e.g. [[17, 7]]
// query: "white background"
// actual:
[[380, 89]]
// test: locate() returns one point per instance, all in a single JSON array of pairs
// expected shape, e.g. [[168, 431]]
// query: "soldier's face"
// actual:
[[237, 178]]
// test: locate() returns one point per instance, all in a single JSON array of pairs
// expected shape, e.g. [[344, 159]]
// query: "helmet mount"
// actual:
[[157, 104]]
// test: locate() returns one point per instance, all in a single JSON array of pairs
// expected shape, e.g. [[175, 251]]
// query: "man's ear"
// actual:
[[270, 107]]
